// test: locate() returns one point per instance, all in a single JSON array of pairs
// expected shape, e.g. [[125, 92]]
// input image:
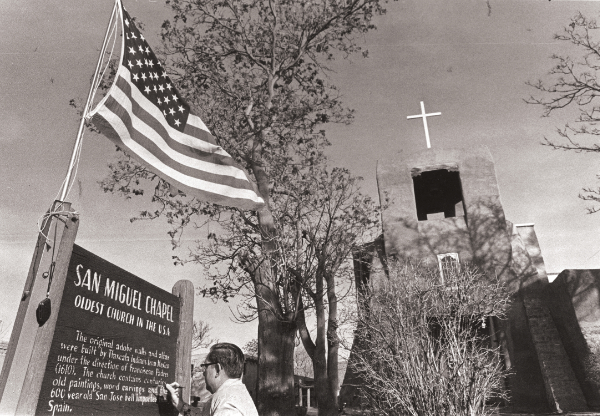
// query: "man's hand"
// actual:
[[173, 390]]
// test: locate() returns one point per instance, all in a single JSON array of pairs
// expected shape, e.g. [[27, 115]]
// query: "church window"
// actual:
[[448, 263], [438, 193]]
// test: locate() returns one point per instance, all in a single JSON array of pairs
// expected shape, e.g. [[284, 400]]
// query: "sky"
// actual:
[[468, 59]]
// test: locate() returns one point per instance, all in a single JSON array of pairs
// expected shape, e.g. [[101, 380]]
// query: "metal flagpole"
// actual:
[[65, 185]]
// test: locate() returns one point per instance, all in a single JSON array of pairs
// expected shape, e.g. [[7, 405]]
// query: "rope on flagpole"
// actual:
[[86, 110], [101, 77], [67, 184], [77, 147], [57, 212]]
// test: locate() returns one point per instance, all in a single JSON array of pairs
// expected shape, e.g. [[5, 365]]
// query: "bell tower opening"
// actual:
[[438, 193]]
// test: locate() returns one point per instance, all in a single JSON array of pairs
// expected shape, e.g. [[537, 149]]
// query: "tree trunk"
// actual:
[[276, 333], [275, 354], [325, 397], [333, 343]]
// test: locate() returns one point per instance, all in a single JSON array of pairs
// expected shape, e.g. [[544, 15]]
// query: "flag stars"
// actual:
[[155, 86], [153, 91]]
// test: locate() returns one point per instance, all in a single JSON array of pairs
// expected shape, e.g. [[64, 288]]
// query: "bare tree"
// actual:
[[200, 335], [422, 347], [573, 82], [251, 348]]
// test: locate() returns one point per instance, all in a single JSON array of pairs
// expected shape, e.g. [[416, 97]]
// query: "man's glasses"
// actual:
[[205, 365]]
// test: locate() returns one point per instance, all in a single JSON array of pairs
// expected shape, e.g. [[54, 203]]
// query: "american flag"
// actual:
[[144, 115]]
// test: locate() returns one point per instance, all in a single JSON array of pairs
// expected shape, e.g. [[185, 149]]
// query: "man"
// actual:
[[223, 368]]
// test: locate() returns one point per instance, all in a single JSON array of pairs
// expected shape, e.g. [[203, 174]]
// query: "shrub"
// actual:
[[423, 345]]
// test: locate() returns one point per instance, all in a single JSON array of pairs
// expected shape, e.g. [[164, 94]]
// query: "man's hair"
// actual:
[[230, 356]]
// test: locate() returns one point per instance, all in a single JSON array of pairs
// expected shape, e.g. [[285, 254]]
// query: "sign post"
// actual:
[[29, 342], [111, 341]]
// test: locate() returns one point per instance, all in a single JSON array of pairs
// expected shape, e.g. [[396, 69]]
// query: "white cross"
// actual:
[[425, 121]]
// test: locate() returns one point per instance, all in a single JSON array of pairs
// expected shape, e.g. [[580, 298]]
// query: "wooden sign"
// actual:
[[104, 339], [115, 341]]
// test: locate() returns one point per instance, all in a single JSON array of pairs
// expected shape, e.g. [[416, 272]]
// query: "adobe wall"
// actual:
[[480, 235], [544, 376], [576, 310], [563, 388], [369, 272], [529, 387]]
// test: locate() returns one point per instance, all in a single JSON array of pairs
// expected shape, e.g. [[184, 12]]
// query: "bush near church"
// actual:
[[423, 342]]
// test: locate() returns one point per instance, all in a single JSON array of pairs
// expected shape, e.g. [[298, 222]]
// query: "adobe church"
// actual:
[[443, 205]]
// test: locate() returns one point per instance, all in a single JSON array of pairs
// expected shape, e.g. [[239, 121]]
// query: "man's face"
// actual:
[[211, 376]]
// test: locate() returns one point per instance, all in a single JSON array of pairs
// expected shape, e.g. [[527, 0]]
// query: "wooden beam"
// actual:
[[183, 371], [45, 333], [25, 362]]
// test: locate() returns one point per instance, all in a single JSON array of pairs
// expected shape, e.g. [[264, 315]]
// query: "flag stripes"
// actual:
[[145, 142], [145, 116], [170, 140], [196, 128]]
